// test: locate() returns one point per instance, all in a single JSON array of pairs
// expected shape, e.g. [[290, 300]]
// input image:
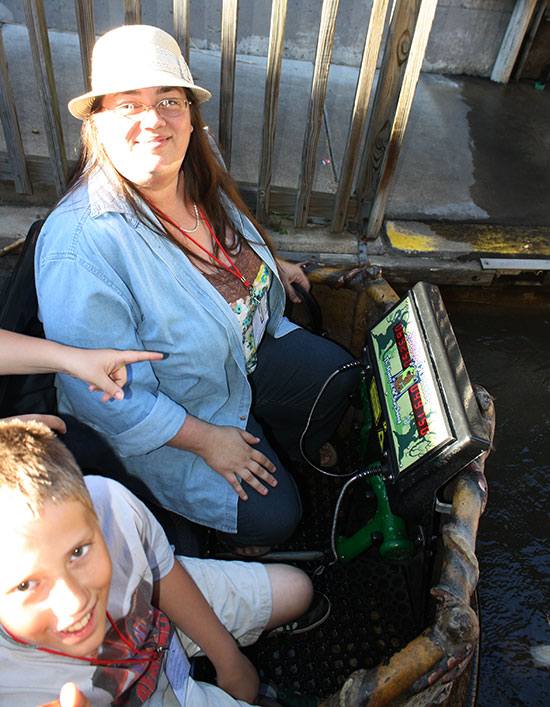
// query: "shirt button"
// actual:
[[243, 417]]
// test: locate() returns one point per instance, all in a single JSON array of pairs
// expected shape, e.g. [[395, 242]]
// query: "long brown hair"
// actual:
[[205, 180]]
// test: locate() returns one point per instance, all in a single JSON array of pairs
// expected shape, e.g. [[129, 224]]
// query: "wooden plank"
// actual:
[[371, 49], [511, 44], [315, 115], [272, 84], [390, 80], [132, 12], [12, 131], [39, 169], [86, 35], [43, 67], [283, 199], [397, 135], [230, 11], [528, 43], [181, 26], [407, 270]]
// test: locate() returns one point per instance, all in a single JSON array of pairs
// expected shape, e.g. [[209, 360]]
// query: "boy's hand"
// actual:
[[177, 595], [239, 678], [70, 696]]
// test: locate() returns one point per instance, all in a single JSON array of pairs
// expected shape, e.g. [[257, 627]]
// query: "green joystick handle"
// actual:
[[385, 530]]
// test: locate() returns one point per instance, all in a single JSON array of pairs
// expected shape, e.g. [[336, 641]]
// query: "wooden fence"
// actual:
[[375, 135]]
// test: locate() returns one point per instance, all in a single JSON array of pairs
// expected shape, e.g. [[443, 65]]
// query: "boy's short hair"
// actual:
[[34, 463]]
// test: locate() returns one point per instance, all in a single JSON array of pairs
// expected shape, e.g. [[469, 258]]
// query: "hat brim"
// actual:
[[81, 106]]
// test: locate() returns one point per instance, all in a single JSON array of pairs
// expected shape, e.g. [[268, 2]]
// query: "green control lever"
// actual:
[[385, 530]]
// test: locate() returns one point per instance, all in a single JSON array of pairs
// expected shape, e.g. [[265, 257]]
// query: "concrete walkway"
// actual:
[[475, 153]]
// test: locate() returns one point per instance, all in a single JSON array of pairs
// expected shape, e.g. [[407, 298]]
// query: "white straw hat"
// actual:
[[132, 57]]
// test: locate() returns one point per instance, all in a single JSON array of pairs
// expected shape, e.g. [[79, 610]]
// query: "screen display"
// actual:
[[416, 415]]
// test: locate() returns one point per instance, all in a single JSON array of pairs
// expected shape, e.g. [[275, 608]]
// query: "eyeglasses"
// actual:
[[166, 108]]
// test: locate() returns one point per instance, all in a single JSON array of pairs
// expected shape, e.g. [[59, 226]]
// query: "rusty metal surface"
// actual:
[[443, 650], [355, 297]]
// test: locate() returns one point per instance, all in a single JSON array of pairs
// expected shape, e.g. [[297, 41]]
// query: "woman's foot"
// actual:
[[328, 456], [251, 550], [246, 552]]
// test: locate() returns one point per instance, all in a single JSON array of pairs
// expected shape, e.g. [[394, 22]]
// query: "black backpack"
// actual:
[[19, 312]]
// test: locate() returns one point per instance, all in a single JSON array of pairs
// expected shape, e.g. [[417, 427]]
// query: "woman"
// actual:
[[153, 248]]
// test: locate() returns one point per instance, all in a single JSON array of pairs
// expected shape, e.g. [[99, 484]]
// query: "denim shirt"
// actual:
[[104, 279]]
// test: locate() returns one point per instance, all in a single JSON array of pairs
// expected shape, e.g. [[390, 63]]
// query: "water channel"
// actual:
[[505, 348]]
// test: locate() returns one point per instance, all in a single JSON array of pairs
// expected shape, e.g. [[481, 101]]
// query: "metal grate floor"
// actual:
[[371, 615]]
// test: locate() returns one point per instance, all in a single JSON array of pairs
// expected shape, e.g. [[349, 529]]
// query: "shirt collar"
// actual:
[[104, 196]]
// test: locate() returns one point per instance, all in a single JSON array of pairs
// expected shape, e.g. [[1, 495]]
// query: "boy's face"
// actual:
[[56, 574]]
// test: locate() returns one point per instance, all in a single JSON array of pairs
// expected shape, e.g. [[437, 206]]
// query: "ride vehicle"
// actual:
[[390, 537]]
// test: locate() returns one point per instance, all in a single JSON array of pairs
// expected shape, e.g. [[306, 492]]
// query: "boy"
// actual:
[[90, 592]]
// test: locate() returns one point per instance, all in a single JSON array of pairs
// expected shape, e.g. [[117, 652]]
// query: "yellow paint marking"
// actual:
[[517, 241], [410, 241]]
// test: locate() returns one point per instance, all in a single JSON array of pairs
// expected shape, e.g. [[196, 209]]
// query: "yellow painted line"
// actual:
[[410, 241], [517, 241]]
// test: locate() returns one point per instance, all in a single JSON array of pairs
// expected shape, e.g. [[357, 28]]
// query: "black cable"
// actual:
[[341, 369]]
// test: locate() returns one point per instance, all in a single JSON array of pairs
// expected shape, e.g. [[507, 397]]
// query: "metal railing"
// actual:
[[374, 137]]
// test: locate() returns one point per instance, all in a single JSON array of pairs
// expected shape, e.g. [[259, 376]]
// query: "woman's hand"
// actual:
[[227, 450], [104, 369], [70, 696], [292, 272], [230, 454], [52, 421], [239, 678]]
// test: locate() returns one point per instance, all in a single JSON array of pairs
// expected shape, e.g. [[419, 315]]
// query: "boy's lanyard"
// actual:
[[149, 655], [177, 663]]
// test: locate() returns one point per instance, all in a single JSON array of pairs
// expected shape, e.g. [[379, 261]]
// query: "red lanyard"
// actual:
[[153, 655], [234, 270]]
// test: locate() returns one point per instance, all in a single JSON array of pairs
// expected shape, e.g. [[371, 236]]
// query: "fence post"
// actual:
[[12, 131], [272, 83], [365, 81], [43, 67], [315, 115], [230, 12], [386, 173], [86, 35], [181, 26], [511, 44], [132, 12]]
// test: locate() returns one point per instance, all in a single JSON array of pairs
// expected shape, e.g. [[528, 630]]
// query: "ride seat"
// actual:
[[36, 393]]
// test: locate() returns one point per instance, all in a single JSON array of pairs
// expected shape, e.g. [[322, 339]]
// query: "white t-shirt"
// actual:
[[140, 554]]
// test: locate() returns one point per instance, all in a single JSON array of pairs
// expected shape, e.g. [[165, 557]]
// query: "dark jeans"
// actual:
[[290, 373]]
